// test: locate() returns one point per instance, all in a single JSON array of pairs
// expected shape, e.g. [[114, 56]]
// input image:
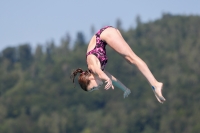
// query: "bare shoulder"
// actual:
[[93, 62], [91, 59]]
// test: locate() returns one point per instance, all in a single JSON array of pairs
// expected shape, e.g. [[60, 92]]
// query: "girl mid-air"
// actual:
[[96, 76]]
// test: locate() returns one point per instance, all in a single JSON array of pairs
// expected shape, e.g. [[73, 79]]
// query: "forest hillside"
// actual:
[[37, 95]]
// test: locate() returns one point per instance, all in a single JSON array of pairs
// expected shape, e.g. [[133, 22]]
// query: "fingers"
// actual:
[[112, 87], [109, 84]]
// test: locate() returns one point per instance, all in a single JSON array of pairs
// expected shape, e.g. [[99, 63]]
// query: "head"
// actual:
[[86, 79]]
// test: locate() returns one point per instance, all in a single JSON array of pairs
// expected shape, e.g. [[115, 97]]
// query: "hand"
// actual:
[[126, 92], [108, 84]]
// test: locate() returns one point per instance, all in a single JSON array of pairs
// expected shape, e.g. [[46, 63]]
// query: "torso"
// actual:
[[97, 47]]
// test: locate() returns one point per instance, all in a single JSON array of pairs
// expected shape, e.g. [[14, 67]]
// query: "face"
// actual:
[[95, 83]]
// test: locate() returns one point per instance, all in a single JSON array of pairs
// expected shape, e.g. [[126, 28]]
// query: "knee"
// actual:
[[130, 59]]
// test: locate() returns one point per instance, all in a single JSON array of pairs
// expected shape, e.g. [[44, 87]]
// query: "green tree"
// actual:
[[25, 55]]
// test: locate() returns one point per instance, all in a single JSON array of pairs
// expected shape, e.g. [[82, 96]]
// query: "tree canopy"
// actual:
[[37, 95]]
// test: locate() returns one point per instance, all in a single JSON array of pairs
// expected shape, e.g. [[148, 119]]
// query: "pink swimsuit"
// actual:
[[100, 49]]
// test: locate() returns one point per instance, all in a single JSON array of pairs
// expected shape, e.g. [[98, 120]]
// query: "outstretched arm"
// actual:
[[118, 84]]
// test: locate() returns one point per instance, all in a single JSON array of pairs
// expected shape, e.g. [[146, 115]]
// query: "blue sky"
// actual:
[[39, 21]]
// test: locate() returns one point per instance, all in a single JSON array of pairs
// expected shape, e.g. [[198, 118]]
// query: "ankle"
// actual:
[[157, 84]]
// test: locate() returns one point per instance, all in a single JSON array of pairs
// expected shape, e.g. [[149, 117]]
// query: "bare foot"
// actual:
[[157, 89], [158, 98]]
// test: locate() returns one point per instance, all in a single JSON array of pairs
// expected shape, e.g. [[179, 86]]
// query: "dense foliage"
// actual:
[[37, 95]]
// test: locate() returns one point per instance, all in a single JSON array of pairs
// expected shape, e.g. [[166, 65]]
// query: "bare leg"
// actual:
[[115, 40]]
